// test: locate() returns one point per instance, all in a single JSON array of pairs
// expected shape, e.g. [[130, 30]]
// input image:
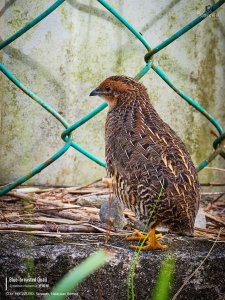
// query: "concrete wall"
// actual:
[[72, 50]]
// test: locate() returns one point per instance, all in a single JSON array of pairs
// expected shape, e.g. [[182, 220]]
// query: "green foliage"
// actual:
[[29, 273], [165, 278], [71, 280]]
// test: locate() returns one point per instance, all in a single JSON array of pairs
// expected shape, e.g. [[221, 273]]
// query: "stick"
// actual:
[[62, 206], [21, 196], [21, 227], [212, 184], [57, 220], [27, 190], [74, 216], [217, 169], [211, 231], [214, 219], [76, 228], [213, 193], [88, 192], [82, 186]]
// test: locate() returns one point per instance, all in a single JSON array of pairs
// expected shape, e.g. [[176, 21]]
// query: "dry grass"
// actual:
[[55, 211]]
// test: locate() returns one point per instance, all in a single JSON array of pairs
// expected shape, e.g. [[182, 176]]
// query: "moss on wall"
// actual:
[[70, 52]]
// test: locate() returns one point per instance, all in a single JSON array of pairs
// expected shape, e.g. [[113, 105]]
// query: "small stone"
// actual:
[[200, 220], [117, 219], [92, 200]]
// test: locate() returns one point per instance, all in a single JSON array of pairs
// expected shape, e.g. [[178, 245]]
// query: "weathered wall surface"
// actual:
[[51, 258], [66, 55]]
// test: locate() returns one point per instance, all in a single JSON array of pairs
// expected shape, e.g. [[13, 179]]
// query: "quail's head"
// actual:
[[115, 89]]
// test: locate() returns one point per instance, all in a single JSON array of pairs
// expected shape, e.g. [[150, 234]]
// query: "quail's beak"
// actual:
[[96, 92]]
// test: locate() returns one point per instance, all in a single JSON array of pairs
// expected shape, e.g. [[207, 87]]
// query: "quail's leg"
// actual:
[[151, 241]]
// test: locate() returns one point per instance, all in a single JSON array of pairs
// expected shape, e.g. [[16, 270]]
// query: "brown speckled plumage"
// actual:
[[142, 153]]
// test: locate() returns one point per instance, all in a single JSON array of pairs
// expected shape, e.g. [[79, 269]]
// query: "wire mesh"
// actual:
[[67, 133]]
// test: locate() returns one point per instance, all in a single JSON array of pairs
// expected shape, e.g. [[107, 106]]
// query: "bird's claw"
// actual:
[[139, 236], [151, 239]]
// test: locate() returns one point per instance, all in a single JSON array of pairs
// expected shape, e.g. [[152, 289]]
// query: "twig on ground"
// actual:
[[209, 232], [57, 220], [213, 193], [21, 196], [4, 226], [81, 186], [216, 169], [29, 190], [214, 218], [212, 184]]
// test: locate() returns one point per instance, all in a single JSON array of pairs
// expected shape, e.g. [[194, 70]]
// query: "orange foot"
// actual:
[[151, 240]]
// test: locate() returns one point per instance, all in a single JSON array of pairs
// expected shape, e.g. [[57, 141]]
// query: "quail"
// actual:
[[152, 172]]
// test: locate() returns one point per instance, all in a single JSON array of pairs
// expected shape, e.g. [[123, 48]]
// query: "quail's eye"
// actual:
[[107, 88]]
